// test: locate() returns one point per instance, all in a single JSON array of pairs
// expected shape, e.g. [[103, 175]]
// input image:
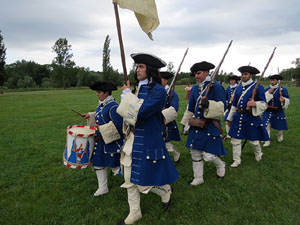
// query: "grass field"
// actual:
[[36, 188]]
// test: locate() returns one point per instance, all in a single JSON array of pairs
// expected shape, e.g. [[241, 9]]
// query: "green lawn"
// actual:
[[36, 188]]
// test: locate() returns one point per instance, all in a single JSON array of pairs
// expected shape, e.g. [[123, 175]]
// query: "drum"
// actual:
[[79, 147]]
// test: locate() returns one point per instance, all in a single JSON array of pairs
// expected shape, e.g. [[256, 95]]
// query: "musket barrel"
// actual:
[[261, 76], [217, 69], [266, 67], [172, 85]]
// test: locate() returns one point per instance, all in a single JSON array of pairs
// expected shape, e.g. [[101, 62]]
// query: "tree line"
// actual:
[[63, 72]]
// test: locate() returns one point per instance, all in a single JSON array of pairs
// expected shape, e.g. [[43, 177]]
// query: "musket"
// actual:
[[279, 84], [279, 88], [245, 142], [77, 113], [213, 76], [173, 82], [280, 92], [261, 76]]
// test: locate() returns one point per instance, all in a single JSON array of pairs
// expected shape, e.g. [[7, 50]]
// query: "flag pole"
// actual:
[[120, 41]]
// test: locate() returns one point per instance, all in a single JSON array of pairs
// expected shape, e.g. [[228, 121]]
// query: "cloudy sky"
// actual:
[[30, 29]]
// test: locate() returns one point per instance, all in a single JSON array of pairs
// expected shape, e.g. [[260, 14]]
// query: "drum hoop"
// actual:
[[81, 135], [76, 166]]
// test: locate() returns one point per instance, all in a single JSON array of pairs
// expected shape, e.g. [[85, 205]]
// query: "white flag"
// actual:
[[145, 12]]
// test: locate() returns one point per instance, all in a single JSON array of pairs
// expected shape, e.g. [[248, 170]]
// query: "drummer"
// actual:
[[108, 135]]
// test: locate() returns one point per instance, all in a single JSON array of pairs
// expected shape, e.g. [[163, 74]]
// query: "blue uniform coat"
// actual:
[[172, 128], [245, 125], [228, 93], [276, 119], [209, 139], [151, 163], [108, 155]]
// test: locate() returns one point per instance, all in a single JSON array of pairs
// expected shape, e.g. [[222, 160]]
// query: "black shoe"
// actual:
[[121, 223], [166, 205], [177, 162], [220, 177]]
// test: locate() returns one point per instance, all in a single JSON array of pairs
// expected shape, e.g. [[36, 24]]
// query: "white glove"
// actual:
[[186, 129], [125, 91]]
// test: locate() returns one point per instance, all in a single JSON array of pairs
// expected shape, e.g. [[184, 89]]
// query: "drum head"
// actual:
[[81, 131]]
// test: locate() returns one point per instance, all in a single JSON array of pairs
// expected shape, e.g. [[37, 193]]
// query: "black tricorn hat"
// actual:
[[202, 66], [234, 77], [103, 86], [248, 69], [166, 75], [276, 77], [150, 60]]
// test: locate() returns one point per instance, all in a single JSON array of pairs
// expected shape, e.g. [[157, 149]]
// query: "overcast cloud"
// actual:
[[30, 29]]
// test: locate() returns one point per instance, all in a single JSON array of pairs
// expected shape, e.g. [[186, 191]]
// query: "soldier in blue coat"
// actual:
[[145, 160], [278, 101], [229, 93], [170, 114], [108, 135], [203, 119], [244, 116]]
